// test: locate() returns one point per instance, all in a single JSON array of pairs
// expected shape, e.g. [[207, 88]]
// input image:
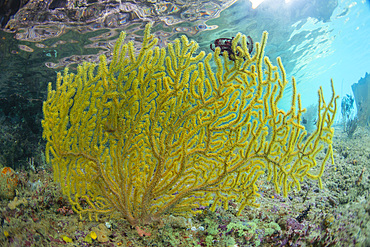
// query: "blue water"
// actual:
[[314, 44], [346, 57], [313, 49]]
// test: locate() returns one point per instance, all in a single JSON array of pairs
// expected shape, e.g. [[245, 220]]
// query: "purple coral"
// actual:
[[294, 225]]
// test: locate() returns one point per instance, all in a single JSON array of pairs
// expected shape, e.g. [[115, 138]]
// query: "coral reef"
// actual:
[[349, 120], [309, 118], [361, 91], [160, 132], [339, 213]]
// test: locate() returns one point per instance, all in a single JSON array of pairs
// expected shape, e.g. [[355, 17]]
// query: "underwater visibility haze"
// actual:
[[185, 123]]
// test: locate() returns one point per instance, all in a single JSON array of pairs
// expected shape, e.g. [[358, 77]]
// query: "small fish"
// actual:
[[304, 121]]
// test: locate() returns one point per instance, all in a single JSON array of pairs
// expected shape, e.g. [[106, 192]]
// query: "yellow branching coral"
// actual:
[[169, 129]]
